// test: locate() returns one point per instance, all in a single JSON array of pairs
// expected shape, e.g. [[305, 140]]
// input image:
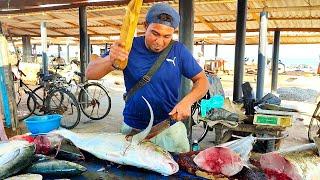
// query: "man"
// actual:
[[163, 90]]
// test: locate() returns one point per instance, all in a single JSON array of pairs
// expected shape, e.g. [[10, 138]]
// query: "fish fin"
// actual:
[[143, 134]]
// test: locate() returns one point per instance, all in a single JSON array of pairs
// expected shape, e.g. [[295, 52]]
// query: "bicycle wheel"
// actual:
[[39, 104], [94, 101], [61, 101], [314, 126], [24, 108]]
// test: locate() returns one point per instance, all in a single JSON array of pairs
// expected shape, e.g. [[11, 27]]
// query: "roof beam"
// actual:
[[195, 32], [22, 29], [118, 26], [258, 10], [107, 24], [26, 6], [72, 24], [204, 21]]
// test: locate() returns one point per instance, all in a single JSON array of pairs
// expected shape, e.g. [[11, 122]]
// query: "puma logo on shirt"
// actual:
[[172, 61]]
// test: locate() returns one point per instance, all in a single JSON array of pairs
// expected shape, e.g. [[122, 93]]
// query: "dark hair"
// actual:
[[165, 17]]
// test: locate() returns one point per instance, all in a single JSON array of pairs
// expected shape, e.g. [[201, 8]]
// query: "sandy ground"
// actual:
[[297, 133]]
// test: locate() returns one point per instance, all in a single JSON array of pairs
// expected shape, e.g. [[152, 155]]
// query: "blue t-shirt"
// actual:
[[162, 91]]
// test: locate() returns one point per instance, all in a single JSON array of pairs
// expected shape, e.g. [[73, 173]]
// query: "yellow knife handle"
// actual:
[[128, 29], [120, 64]]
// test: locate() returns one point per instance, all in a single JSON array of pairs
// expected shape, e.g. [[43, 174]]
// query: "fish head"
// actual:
[[158, 159]]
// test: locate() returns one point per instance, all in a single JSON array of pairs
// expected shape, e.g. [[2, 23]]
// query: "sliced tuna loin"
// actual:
[[219, 160], [278, 167]]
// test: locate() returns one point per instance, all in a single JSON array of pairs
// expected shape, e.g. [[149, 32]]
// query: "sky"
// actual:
[[289, 54]]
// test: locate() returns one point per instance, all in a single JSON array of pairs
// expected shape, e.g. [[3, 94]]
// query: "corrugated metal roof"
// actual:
[[213, 18]]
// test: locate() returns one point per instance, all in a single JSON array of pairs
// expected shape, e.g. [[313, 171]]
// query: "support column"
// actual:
[[43, 29], [202, 48], [34, 53], [59, 50], [7, 93], [275, 61], [26, 48], [90, 49], [186, 28], [106, 47], [68, 53], [216, 52], [84, 46], [240, 48], [263, 41]]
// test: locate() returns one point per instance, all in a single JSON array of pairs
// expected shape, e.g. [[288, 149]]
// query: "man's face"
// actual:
[[158, 36]]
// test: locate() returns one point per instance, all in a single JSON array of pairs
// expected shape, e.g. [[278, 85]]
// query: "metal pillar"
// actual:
[[106, 48], [275, 61], [202, 48], [216, 52], [84, 45], [59, 50], [68, 53], [263, 41], [43, 29], [186, 28], [240, 48], [26, 48], [34, 53], [90, 49]]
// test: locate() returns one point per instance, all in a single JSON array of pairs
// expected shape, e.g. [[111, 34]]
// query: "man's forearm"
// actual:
[[98, 68], [199, 89]]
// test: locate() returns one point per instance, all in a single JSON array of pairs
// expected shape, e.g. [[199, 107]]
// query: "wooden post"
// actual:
[[3, 136], [7, 87]]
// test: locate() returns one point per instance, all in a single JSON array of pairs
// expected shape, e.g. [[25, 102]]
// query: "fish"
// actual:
[[15, 155], [68, 151], [26, 177], [47, 144], [219, 160], [242, 146], [185, 161], [56, 168], [228, 158], [118, 148], [297, 163]]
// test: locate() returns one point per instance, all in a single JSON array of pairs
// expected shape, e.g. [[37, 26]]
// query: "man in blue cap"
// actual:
[[162, 91]]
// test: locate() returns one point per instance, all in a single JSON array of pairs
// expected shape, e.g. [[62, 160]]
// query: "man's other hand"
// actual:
[[118, 52]]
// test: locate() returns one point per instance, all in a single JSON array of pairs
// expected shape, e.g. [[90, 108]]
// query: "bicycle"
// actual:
[[53, 98], [24, 109], [314, 125], [92, 96]]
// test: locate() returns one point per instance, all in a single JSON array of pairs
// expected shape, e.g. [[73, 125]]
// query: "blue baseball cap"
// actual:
[[155, 13]]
